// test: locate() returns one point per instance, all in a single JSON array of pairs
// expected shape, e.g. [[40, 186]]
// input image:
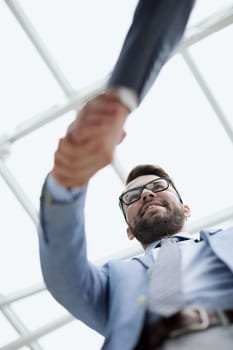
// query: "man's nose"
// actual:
[[147, 194]]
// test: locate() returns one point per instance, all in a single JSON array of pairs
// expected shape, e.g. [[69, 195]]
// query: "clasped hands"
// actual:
[[90, 140]]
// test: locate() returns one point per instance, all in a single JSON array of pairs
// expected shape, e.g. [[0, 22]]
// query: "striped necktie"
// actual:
[[165, 292]]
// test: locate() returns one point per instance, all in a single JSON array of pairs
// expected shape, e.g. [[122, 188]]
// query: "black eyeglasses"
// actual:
[[156, 185]]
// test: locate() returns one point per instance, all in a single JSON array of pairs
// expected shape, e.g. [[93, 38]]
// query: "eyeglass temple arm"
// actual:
[[177, 192]]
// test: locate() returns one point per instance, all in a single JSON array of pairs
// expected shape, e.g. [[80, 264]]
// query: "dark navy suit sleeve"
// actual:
[[156, 29]]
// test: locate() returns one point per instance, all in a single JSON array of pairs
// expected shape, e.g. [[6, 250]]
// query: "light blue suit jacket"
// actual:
[[111, 300]]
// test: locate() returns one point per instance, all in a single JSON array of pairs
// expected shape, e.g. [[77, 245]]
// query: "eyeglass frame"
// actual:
[[142, 187]]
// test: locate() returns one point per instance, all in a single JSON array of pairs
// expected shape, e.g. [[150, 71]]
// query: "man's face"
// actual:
[[154, 215]]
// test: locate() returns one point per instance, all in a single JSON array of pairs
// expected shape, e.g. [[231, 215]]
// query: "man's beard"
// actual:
[[157, 226]]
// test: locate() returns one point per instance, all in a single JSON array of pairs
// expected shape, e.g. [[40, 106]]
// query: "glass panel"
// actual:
[[19, 256], [7, 332], [217, 50], [85, 36], [32, 156], [38, 310], [74, 335], [206, 8], [26, 84]]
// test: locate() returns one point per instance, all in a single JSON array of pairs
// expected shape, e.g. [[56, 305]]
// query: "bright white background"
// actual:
[[174, 127]]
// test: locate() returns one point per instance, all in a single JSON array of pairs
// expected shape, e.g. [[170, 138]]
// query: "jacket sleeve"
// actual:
[[156, 30], [74, 282]]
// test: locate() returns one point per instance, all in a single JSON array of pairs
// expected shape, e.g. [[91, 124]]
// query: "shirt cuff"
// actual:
[[127, 96], [60, 193]]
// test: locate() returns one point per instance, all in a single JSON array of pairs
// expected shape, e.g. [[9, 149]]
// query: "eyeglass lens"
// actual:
[[134, 194]]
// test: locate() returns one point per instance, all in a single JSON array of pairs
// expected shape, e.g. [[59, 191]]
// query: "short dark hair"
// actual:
[[146, 169], [150, 169]]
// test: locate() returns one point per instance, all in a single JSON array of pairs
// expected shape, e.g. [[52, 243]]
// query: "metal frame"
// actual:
[[40, 46], [74, 101], [29, 337], [208, 93], [18, 325]]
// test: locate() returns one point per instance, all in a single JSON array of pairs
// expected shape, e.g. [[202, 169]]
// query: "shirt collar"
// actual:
[[182, 237]]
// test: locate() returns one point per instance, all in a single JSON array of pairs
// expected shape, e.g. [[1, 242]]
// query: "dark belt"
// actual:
[[186, 321]]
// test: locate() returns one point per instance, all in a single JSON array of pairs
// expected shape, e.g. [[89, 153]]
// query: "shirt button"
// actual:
[[141, 300]]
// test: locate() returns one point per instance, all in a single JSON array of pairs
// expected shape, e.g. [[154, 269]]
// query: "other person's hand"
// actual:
[[90, 140]]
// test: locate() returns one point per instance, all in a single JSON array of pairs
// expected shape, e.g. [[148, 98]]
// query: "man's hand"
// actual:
[[90, 140]]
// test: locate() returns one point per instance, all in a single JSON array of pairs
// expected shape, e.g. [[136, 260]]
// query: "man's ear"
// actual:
[[187, 211], [129, 234]]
